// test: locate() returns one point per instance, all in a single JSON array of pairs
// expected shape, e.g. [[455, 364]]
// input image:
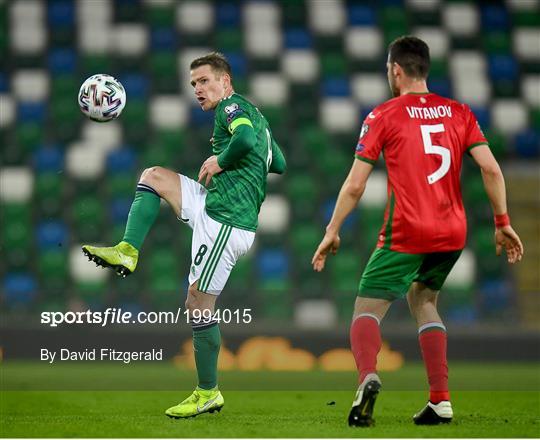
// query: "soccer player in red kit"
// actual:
[[423, 138]]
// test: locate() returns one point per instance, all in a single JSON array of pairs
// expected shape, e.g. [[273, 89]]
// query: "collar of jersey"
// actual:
[[227, 97]]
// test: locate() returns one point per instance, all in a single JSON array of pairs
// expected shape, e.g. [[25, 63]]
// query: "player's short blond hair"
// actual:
[[215, 60]]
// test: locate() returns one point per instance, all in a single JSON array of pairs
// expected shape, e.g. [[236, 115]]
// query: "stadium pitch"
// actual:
[[37, 400]]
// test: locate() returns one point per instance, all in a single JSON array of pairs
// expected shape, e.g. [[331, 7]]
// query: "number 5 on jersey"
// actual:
[[429, 148]]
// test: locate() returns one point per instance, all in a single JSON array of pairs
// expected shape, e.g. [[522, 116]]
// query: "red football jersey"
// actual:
[[423, 138]]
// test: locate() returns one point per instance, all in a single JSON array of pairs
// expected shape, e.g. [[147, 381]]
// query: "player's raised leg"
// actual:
[[432, 338], [206, 344], [155, 183], [365, 337]]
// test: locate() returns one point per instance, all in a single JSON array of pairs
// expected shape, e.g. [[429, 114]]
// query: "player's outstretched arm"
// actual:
[[505, 237], [348, 198]]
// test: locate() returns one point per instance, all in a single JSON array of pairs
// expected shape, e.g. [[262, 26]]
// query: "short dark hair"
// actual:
[[215, 60], [412, 54]]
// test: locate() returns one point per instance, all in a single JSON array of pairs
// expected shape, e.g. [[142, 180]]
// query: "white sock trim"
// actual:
[[431, 324], [369, 315]]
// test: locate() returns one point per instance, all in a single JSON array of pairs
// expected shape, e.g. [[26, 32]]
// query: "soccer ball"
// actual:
[[102, 97]]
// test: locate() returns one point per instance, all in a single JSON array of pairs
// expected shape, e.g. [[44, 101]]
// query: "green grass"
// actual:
[[33, 403], [163, 376]]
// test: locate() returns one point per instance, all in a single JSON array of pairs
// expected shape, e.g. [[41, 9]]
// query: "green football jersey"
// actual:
[[235, 195]]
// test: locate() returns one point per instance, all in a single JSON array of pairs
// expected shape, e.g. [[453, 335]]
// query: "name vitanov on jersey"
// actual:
[[441, 111]]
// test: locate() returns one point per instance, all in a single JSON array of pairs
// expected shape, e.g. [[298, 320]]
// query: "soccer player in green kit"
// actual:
[[223, 214]]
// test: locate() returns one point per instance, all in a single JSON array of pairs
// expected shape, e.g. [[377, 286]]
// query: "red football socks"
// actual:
[[365, 344], [432, 340]]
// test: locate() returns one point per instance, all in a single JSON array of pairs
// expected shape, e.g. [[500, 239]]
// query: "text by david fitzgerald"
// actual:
[[103, 354]]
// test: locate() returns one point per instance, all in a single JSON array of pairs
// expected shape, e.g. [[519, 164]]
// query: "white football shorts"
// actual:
[[215, 247]]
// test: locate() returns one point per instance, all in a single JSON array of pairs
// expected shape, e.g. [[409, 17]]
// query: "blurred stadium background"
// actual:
[[315, 68]]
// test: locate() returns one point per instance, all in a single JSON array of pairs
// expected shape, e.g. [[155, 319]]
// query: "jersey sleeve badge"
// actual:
[[232, 111], [364, 130]]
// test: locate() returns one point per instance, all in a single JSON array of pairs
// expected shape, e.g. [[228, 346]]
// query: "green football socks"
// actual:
[[144, 211], [206, 344]]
